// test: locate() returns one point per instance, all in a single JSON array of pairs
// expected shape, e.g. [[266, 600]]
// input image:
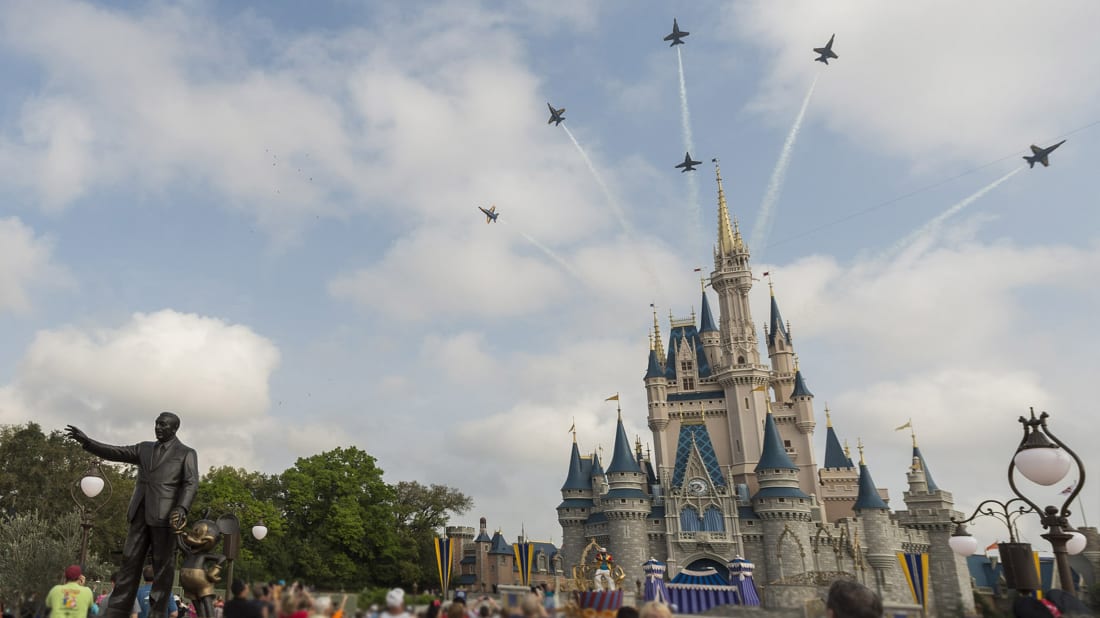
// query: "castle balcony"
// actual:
[[704, 537]]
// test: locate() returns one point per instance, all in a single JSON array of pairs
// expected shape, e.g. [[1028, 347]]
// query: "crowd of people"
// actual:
[[74, 599]]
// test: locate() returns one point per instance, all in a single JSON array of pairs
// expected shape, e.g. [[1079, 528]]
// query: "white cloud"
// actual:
[[26, 262], [113, 381], [905, 71]]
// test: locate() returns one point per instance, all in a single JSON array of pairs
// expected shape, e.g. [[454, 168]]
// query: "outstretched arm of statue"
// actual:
[[123, 454]]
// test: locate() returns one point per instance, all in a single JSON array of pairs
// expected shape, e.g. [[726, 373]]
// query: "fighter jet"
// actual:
[[677, 34], [688, 164], [556, 115], [826, 52], [491, 214], [1039, 155]]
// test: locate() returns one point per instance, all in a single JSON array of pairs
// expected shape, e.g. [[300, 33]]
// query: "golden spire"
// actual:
[[828, 419], [771, 288], [847, 449], [573, 429], [859, 445], [657, 345], [727, 241], [650, 342], [913, 433], [702, 282]]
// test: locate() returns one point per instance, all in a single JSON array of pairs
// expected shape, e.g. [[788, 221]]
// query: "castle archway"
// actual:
[[702, 564]]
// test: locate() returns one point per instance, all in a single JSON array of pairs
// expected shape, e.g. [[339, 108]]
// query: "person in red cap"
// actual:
[[72, 599]]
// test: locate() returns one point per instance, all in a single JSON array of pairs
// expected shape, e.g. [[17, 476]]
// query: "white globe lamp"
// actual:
[[962, 543], [1076, 544], [1043, 465], [91, 485], [259, 531]]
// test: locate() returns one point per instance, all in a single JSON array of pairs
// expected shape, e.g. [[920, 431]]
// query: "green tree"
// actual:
[[38, 472], [420, 513], [339, 521], [36, 551], [253, 497]]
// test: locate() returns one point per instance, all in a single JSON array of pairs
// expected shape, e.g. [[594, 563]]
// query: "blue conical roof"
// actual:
[[868, 494], [500, 546], [654, 370], [576, 478], [773, 456], [597, 467], [834, 453], [800, 389], [622, 460], [706, 324], [927, 475], [777, 326]]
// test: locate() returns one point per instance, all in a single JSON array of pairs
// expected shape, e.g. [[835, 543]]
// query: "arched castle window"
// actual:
[[689, 520], [713, 520], [540, 559]]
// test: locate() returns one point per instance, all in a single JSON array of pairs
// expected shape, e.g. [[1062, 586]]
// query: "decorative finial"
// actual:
[[913, 433], [796, 363], [574, 430], [859, 445], [650, 342], [771, 288], [828, 419], [657, 345], [847, 449], [702, 282], [702, 411]]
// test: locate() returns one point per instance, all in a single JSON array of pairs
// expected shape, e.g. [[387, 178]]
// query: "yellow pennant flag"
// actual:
[[762, 387], [614, 397]]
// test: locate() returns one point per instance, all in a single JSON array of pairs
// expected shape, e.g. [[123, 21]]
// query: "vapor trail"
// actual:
[[552, 255], [689, 145], [763, 226], [934, 225], [628, 230]]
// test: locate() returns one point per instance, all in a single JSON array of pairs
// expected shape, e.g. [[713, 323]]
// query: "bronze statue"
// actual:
[[168, 476], [201, 568]]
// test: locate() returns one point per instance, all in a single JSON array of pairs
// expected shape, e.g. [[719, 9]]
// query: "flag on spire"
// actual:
[[614, 397], [573, 427], [908, 424]]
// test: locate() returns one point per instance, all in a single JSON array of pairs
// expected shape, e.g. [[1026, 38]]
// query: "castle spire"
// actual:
[[622, 460], [834, 454], [706, 322], [868, 493], [923, 466], [773, 455], [728, 242], [656, 332], [576, 479]]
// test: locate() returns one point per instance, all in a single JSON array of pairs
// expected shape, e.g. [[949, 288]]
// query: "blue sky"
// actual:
[[264, 217]]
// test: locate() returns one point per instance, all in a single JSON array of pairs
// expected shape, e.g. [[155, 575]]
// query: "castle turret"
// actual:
[[709, 335], [780, 350], [502, 561], [837, 477], [784, 508], [627, 505], [575, 507], [877, 530], [930, 509]]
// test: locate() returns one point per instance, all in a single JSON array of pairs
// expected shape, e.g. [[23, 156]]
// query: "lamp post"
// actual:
[[231, 543], [1043, 459], [90, 486]]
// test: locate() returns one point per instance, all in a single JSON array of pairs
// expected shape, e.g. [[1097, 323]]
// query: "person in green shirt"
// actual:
[[72, 599]]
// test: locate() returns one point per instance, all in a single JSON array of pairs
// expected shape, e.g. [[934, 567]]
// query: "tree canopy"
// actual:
[[332, 520]]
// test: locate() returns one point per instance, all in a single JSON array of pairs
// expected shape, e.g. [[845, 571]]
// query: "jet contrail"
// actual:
[[553, 256], [643, 261], [763, 225], [689, 145], [934, 225]]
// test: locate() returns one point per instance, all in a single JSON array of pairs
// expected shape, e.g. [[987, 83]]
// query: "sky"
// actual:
[[264, 217]]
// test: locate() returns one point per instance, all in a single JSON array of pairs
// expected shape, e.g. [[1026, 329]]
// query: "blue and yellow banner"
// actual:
[[525, 557], [915, 567], [444, 552]]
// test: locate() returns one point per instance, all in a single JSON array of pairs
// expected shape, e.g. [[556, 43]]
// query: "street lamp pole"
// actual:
[[1045, 460], [90, 486], [1041, 458]]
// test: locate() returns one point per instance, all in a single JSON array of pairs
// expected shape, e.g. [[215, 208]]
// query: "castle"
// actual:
[[732, 469]]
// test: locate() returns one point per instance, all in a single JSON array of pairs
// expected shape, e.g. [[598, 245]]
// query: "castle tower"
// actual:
[[837, 476], [482, 544], [931, 509], [627, 505], [780, 351], [463, 540], [783, 508], [575, 507], [741, 375], [709, 334], [502, 560], [874, 514]]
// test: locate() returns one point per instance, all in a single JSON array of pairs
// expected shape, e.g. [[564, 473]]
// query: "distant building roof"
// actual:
[[633, 494], [500, 546]]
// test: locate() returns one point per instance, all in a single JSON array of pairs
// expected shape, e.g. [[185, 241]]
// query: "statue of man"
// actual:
[[168, 476]]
